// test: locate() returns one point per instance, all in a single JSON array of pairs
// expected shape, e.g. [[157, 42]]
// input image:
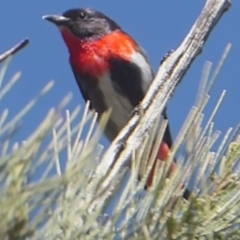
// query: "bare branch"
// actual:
[[168, 77], [14, 49]]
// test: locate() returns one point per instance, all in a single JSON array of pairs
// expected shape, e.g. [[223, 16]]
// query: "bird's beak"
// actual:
[[57, 19]]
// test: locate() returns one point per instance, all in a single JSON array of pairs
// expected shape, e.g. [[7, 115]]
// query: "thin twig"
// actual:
[[14, 49]]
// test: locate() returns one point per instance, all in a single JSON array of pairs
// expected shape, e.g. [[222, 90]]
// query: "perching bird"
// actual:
[[111, 69]]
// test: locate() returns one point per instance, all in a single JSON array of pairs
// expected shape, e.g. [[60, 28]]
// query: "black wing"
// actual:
[[126, 77]]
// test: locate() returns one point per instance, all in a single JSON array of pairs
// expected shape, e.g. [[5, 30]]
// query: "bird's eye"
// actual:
[[82, 15]]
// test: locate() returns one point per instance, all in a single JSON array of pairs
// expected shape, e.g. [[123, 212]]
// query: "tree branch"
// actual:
[[14, 50], [168, 77]]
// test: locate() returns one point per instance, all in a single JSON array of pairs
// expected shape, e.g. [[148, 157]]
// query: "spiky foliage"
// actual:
[[74, 204]]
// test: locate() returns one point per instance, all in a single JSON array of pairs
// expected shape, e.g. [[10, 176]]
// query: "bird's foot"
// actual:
[[138, 110], [166, 56]]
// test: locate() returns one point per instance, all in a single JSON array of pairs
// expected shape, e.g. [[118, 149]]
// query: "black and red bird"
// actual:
[[111, 69]]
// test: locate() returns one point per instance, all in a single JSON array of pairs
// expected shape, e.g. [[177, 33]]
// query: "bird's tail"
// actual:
[[163, 153]]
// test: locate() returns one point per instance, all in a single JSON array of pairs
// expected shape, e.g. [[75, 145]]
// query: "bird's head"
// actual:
[[84, 24]]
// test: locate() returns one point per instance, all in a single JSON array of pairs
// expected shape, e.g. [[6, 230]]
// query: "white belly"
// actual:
[[121, 106]]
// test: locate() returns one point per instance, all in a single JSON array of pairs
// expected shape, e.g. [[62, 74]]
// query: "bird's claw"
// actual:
[[166, 56], [135, 111], [138, 110]]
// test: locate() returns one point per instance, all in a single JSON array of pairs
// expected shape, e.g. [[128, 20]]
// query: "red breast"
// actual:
[[92, 56]]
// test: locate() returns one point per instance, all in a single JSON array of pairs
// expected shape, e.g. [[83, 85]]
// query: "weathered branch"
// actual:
[[168, 77], [14, 49]]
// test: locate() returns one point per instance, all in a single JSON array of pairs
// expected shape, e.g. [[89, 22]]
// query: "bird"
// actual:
[[111, 70]]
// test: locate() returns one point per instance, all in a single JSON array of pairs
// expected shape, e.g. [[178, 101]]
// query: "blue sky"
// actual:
[[158, 26]]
